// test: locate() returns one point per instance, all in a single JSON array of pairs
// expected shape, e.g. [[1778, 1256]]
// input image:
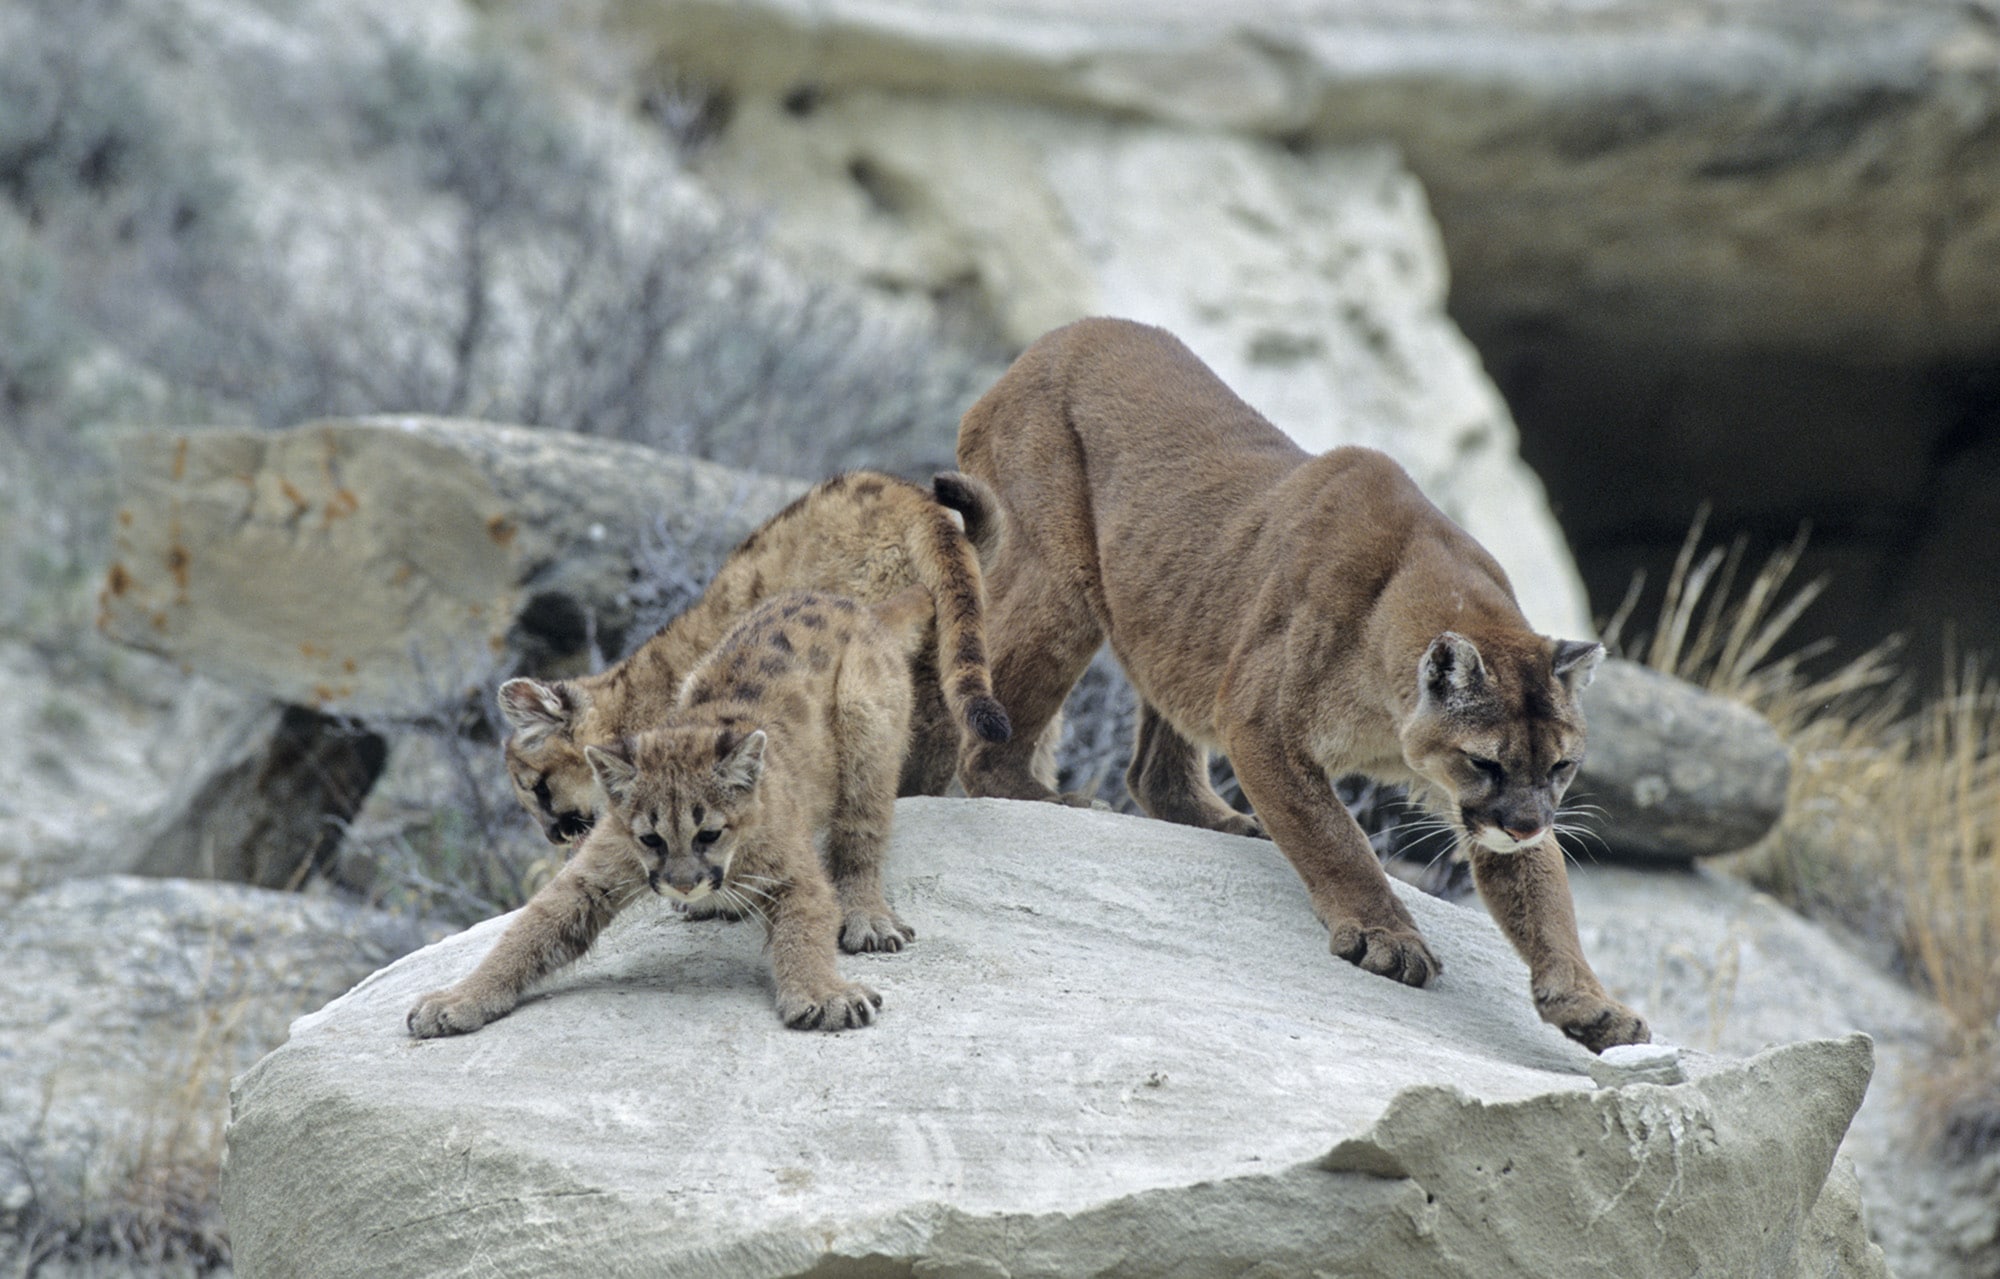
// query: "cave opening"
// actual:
[[1893, 468]]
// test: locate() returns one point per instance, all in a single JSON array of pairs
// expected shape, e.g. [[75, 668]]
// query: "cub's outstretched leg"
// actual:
[[1528, 895], [1169, 779], [805, 924], [558, 924]]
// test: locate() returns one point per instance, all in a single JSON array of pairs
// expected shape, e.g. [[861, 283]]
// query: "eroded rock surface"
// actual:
[[1116, 1045], [1643, 166], [1724, 968], [377, 567]]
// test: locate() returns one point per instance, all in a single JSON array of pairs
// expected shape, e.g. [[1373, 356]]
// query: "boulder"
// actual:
[[1117, 1046], [1675, 772], [267, 803], [382, 567], [126, 1005], [1724, 968]]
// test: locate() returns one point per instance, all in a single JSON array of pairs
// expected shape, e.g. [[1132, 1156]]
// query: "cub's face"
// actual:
[[685, 798], [549, 773], [1499, 735]]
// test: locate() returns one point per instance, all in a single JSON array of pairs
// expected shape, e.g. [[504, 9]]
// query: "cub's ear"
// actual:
[[1451, 672], [1575, 661], [615, 772], [534, 709], [739, 765]]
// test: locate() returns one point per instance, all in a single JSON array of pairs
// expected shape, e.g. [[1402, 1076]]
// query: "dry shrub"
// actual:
[[1892, 823], [159, 1207]]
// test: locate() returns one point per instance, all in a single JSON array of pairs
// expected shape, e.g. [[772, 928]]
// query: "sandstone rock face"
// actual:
[[1639, 167], [378, 567], [1117, 1046], [1313, 282], [267, 804], [1723, 968], [126, 1005], [1679, 772], [1695, 242]]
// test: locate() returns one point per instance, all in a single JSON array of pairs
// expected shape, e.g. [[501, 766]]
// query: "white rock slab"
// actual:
[[1118, 1046]]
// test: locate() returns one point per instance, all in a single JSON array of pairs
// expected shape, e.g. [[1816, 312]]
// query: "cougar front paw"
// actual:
[[449, 1012], [1595, 1021], [1396, 953], [845, 1008], [874, 931]]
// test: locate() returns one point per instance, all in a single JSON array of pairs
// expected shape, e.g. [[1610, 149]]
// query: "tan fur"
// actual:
[[863, 535], [795, 724], [1309, 616]]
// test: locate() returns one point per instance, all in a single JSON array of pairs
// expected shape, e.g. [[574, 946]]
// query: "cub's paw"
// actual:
[[448, 1012], [1594, 1021], [843, 1008], [1396, 953], [874, 931]]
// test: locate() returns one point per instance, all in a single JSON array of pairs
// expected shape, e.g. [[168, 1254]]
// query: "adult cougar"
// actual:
[[1309, 616]]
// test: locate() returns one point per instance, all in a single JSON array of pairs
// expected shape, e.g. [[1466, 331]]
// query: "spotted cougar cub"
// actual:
[[796, 723], [860, 534]]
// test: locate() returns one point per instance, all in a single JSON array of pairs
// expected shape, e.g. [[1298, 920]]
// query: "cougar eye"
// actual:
[[1562, 767], [572, 826], [703, 838], [1488, 769], [651, 839]]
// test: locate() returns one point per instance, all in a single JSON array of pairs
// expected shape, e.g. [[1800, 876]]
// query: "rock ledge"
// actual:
[[1118, 1046]]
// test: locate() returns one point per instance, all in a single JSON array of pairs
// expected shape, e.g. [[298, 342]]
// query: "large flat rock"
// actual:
[[1118, 1047]]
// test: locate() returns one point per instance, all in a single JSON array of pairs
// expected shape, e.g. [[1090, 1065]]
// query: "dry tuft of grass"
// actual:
[[157, 1204], [1892, 825]]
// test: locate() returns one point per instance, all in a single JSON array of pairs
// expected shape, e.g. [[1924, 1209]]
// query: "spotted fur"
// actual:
[[862, 535], [793, 727]]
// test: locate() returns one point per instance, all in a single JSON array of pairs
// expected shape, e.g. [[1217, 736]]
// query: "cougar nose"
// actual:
[[1526, 835]]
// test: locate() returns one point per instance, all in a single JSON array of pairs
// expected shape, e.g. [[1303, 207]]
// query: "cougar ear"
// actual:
[[1575, 661], [534, 709], [739, 765], [614, 770], [1451, 671]]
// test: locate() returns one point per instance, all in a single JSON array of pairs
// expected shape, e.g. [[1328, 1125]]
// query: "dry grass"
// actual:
[[159, 1205], [1892, 825]]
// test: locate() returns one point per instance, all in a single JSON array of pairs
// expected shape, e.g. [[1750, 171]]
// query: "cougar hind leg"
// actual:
[[1168, 778]]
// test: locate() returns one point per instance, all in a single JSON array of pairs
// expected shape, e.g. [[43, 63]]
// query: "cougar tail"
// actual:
[[947, 565], [978, 505]]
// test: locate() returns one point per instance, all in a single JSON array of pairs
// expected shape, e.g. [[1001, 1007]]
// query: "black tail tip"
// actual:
[[953, 489], [988, 718]]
